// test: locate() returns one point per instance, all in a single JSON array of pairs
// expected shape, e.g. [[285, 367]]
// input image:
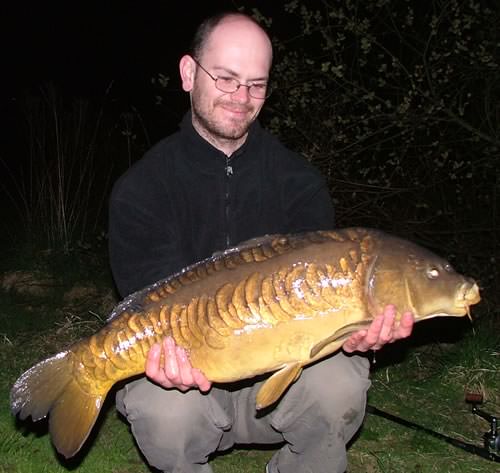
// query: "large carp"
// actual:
[[275, 303]]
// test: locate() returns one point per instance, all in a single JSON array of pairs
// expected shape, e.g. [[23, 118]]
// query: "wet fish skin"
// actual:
[[276, 304]]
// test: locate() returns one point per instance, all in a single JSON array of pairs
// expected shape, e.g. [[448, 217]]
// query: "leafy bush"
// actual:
[[397, 104]]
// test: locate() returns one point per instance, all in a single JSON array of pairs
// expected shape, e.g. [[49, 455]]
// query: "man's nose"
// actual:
[[242, 95]]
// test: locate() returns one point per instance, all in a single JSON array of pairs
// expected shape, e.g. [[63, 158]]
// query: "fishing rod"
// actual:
[[491, 439]]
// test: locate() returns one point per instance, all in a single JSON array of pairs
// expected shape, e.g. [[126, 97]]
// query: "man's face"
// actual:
[[236, 49]]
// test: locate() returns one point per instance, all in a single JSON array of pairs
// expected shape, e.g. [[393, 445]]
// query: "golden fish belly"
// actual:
[[120, 349], [257, 350]]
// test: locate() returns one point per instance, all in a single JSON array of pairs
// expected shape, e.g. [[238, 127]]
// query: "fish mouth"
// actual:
[[467, 295]]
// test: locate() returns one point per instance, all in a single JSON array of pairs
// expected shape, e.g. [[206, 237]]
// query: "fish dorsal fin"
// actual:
[[340, 335], [252, 242], [276, 385]]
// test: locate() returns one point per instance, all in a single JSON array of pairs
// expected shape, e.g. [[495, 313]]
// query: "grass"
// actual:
[[428, 388], [423, 381]]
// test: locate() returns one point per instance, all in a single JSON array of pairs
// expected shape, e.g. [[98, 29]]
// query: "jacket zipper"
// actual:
[[227, 200]]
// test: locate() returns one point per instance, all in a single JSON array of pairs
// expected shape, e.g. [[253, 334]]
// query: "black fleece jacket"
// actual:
[[185, 199]]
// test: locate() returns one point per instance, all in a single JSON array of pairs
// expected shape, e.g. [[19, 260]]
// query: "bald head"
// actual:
[[231, 27]]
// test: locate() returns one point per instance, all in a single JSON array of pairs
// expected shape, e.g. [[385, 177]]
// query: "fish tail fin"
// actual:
[[50, 388], [72, 418]]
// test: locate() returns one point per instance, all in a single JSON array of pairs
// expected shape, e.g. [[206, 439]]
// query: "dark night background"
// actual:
[[395, 102], [103, 55], [85, 47]]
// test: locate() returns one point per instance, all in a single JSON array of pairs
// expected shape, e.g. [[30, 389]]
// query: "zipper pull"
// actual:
[[229, 168]]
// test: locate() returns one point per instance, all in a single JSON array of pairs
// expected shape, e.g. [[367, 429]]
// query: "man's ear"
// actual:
[[187, 68]]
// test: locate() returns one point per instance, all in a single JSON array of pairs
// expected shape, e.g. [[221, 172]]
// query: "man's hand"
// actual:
[[176, 370], [382, 330]]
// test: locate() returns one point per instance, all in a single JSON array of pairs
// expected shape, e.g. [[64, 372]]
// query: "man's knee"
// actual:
[[159, 413], [338, 380], [333, 390], [169, 423]]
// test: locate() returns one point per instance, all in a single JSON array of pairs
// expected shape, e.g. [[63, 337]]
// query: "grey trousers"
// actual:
[[315, 418]]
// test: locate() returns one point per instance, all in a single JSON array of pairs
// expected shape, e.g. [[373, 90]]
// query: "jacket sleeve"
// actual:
[[143, 247]]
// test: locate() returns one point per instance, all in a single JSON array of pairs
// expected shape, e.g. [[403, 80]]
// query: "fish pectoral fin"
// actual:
[[339, 336], [276, 385]]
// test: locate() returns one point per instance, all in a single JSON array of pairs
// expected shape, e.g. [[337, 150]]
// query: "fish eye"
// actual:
[[432, 273], [448, 267]]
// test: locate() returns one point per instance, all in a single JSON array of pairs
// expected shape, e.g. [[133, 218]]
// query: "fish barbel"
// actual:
[[272, 304]]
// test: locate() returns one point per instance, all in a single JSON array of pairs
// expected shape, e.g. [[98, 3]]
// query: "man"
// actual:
[[221, 180]]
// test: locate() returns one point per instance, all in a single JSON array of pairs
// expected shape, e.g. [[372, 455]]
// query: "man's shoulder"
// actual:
[[157, 156], [162, 150], [149, 170], [283, 156]]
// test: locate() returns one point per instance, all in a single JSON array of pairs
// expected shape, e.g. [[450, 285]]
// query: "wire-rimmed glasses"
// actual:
[[229, 85]]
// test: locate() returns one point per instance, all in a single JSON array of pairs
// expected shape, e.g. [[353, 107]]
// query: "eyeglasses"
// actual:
[[230, 85]]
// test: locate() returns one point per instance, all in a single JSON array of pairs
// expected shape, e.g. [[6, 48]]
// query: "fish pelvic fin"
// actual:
[[277, 384], [339, 336], [49, 388]]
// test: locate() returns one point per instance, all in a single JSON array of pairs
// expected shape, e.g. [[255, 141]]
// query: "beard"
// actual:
[[221, 130]]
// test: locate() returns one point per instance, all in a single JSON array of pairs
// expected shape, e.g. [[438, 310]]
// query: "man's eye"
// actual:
[[259, 86], [227, 81]]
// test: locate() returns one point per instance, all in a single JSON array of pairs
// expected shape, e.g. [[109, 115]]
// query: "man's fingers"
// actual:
[[175, 371], [384, 329], [405, 326], [153, 361], [201, 381], [178, 370], [154, 368], [364, 340], [171, 367], [373, 334], [389, 311], [184, 366], [352, 343], [386, 333]]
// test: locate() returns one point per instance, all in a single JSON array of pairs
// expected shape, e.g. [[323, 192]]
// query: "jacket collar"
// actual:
[[202, 153]]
